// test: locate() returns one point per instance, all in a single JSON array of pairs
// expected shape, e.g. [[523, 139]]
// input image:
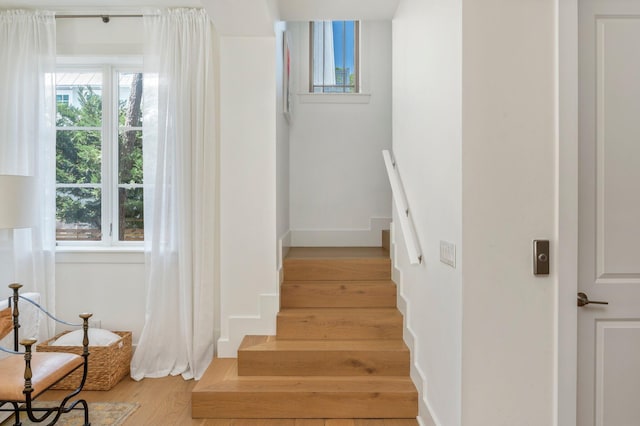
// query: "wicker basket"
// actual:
[[107, 364]]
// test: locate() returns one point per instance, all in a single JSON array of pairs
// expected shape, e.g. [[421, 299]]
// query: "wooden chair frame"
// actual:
[[25, 405]]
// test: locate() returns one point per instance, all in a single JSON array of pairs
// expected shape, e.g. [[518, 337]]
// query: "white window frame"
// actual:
[[357, 62], [110, 67]]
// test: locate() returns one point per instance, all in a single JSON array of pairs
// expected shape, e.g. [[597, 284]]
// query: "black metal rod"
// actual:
[[105, 18]]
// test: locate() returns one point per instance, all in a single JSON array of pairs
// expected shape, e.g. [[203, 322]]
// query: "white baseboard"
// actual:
[[240, 326], [284, 244], [370, 237], [425, 413]]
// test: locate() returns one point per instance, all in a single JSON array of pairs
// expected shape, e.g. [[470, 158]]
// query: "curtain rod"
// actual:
[[105, 18]]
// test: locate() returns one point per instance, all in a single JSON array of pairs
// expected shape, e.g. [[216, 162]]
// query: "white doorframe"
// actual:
[[567, 213]]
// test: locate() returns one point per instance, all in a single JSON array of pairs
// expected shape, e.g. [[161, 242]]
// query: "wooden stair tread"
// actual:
[[270, 356], [234, 396], [339, 268], [359, 314], [222, 376], [272, 343], [340, 311], [339, 324], [356, 294], [330, 283], [336, 252]]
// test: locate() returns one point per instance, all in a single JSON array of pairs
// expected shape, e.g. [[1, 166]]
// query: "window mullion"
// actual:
[[107, 155], [344, 56], [115, 152], [356, 64]]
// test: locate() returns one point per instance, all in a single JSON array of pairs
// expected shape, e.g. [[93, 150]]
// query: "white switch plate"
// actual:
[[448, 253]]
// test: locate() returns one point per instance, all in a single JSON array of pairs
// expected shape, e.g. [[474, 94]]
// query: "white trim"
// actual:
[[284, 244], [369, 237], [565, 374], [426, 416], [242, 325], [93, 255], [334, 98]]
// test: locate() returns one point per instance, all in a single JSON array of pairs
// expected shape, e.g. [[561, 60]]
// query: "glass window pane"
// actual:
[[130, 157], [78, 214], [338, 48], [350, 55], [334, 56], [79, 99], [131, 214], [78, 156], [130, 99]]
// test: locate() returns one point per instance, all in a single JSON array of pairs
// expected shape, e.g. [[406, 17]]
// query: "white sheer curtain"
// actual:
[[27, 144], [180, 191], [324, 64]]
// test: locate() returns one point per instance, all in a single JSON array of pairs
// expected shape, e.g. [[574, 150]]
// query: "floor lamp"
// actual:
[[17, 202]]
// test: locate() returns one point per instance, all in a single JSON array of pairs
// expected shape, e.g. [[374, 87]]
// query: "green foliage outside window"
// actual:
[[79, 162]]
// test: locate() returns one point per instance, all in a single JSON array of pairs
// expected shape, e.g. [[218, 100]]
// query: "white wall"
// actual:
[[338, 180], [427, 143], [508, 191], [482, 177], [90, 36], [109, 285], [247, 189]]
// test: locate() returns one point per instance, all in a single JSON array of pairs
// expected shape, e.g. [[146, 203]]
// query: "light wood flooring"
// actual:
[[336, 252], [167, 402]]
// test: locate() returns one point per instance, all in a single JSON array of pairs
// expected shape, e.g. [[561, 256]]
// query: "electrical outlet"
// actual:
[[448, 253], [95, 323]]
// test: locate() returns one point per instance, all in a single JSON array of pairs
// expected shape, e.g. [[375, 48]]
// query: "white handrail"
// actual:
[[404, 215]]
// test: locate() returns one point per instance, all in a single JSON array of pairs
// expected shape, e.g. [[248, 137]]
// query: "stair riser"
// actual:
[[337, 295], [337, 270], [282, 405], [325, 363], [319, 328]]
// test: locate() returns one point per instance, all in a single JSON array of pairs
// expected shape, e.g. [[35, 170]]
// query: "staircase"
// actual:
[[338, 352]]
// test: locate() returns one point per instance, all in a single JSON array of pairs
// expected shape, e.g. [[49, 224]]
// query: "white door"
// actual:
[[609, 206]]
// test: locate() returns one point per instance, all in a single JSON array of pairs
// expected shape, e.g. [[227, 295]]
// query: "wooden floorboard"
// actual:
[[167, 402]]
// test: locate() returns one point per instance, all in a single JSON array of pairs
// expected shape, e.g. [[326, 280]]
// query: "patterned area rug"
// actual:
[[100, 414]]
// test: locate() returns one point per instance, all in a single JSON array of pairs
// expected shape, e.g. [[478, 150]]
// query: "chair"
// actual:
[[26, 375]]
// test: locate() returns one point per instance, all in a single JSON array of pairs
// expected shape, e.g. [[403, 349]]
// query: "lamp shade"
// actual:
[[17, 201]]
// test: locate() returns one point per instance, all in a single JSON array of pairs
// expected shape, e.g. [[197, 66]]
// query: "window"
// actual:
[[334, 57], [99, 195], [62, 98]]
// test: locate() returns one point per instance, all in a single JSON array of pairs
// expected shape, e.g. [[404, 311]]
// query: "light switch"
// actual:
[[448, 253]]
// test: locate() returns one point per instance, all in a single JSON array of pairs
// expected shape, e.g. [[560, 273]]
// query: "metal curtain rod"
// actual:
[[105, 18]]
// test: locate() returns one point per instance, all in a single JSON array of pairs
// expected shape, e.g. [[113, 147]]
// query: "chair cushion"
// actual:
[[47, 369]]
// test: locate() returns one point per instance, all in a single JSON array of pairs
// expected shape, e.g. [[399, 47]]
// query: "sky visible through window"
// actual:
[[344, 37]]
